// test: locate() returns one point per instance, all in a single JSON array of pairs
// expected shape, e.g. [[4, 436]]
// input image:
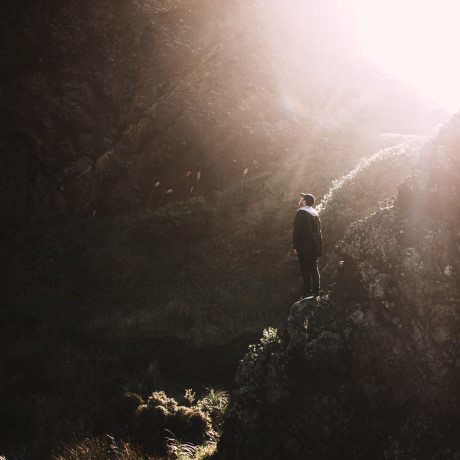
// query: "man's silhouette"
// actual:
[[307, 242]]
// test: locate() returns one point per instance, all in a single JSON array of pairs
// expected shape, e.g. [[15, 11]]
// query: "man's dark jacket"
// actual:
[[306, 226]]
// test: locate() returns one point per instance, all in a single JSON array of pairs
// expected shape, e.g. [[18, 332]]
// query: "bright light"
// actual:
[[416, 40]]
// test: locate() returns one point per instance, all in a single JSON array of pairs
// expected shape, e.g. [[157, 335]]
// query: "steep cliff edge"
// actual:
[[372, 370]]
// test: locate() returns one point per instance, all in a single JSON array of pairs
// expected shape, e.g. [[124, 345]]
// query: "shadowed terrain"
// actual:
[[152, 154]]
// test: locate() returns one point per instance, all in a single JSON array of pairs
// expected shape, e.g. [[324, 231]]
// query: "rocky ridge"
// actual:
[[371, 370]]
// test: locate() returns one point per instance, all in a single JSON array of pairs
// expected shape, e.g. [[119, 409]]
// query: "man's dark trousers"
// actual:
[[310, 273]]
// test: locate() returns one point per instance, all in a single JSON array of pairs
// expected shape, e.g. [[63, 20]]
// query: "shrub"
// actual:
[[149, 425], [358, 193], [179, 450], [159, 399], [155, 418], [148, 422], [215, 403], [190, 424]]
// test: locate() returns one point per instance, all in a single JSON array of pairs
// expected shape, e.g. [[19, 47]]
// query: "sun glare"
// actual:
[[415, 40]]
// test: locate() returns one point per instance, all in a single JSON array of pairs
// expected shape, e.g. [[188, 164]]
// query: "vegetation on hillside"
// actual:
[[157, 427], [86, 303], [372, 182], [152, 157], [103, 99]]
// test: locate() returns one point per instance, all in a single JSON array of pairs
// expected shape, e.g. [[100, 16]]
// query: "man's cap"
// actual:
[[309, 198]]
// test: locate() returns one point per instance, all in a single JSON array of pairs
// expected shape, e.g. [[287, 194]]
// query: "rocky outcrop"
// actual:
[[371, 370]]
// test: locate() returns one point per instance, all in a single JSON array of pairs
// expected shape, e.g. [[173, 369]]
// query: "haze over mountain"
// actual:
[[100, 100]]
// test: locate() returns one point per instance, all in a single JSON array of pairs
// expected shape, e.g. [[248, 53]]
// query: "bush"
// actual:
[[116, 416], [358, 194], [215, 403], [148, 423]]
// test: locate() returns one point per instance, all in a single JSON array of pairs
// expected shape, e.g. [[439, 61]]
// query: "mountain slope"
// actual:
[[372, 369], [101, 100]]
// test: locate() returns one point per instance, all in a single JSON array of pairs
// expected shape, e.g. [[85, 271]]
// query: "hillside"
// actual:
[[152, 156], [372, 369], [101, 100]]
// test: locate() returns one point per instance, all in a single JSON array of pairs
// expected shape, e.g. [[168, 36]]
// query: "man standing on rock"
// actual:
[[308, 244]]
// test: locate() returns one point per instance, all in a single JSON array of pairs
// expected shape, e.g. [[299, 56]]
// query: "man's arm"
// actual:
[[297, 230]]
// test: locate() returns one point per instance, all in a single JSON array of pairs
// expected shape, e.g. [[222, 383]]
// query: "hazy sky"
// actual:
[[416, 40]]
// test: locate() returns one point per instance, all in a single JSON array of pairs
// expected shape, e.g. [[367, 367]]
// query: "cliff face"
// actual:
[[371, 370], [101, 100]]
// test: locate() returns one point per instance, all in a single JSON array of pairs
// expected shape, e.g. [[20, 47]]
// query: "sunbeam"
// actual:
[[416, 41]]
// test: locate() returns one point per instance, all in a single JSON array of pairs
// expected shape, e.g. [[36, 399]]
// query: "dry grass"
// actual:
[[100, 448]]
